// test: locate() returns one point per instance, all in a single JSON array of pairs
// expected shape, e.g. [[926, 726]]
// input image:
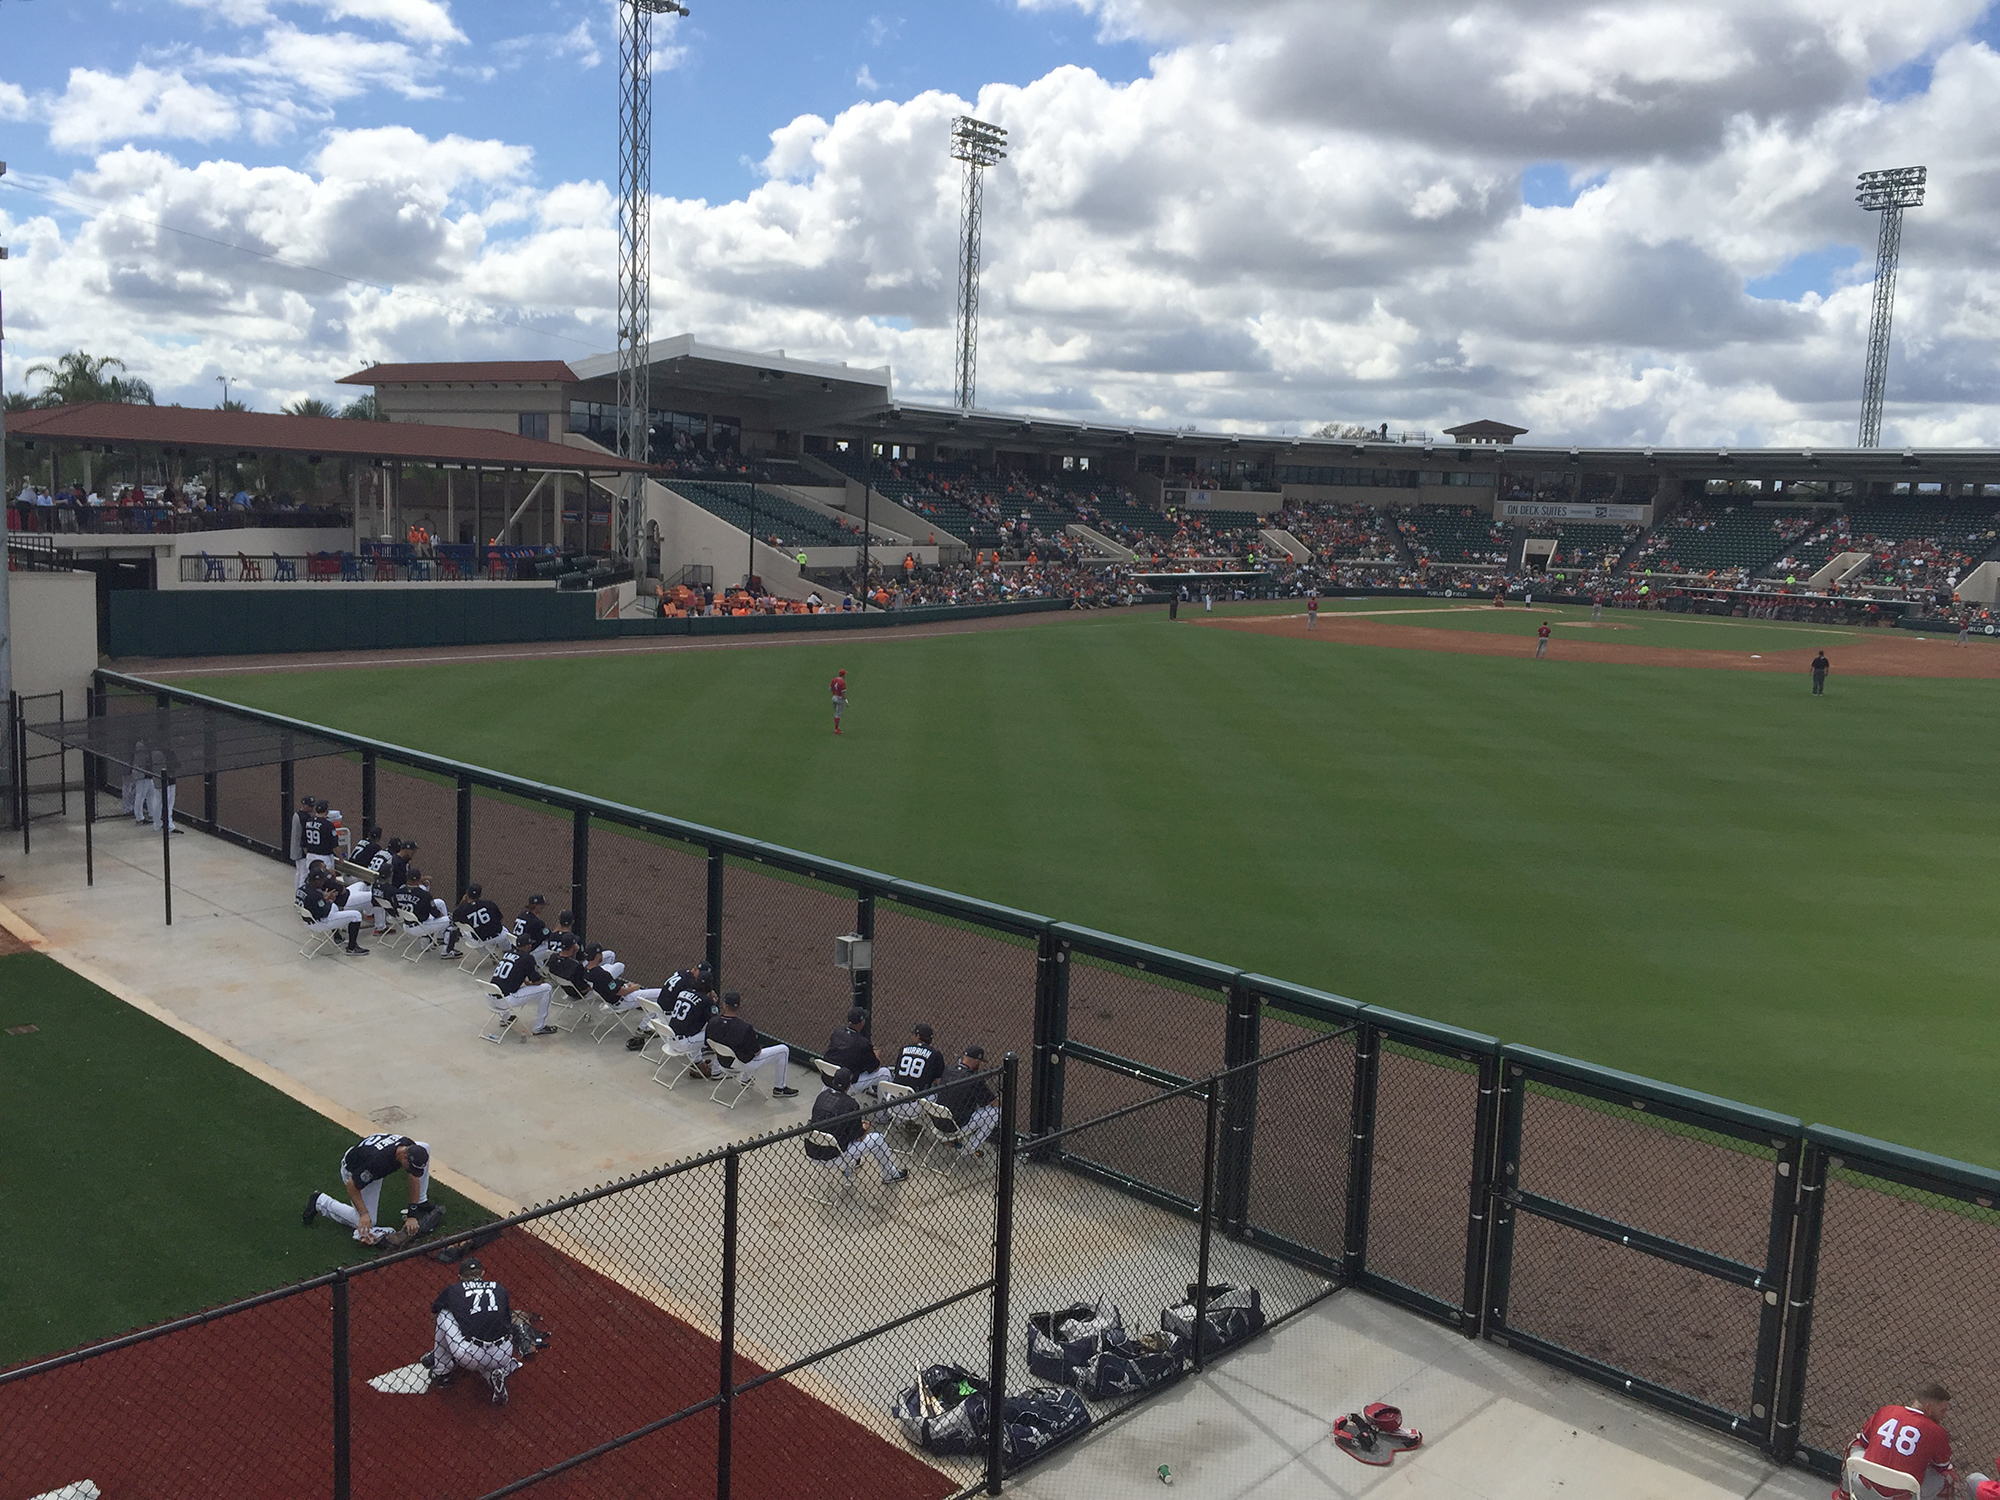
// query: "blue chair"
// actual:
[[212, 570], [420, 569], [350, 567], [282, 570]]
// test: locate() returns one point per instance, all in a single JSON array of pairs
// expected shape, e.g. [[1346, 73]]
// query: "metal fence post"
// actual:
[[463, 849], [1045, 1080], [713, 951], [1003, 1274], [1242, 1045], [1207, 1229], [288, 798], [579, 872], [1788, 1403], [1360, 1152], [726, 1340], [367, 791], [340, 1391], [1506, 1181], [1479, 1209], [863, 988], [1772, 1288], [17, 746], [211, 801]]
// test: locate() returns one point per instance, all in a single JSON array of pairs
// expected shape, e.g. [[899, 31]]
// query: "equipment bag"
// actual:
[[1126, 1366], [1061, 1341], [945, 1412], [1233, 1314], [1038, 1419]]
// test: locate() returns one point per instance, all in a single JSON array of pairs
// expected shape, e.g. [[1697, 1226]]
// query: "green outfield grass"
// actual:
[[1711, 878], [1619, 627], [141, 1171]]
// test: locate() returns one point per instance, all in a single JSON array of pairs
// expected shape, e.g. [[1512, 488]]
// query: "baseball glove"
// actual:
[[529, 1336]]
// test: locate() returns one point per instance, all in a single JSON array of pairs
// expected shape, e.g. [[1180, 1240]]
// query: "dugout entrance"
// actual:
[[155, 749]]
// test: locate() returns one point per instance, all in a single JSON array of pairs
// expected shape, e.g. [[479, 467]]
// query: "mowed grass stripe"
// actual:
[[147, 1178], [1711, 878]]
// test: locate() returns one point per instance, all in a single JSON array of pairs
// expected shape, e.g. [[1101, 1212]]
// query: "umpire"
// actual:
[[475, 1331]]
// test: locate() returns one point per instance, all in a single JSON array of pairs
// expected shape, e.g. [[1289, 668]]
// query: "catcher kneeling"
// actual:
[[478, 1330]]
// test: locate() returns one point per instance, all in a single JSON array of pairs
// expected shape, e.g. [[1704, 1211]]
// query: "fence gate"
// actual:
[[39, 783], [1642, 1237]]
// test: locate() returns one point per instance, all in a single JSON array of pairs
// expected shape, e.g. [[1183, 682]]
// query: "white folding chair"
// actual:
[[1871, 1481], [319, 938], [478, 950], [901, 1112], [500, 1020], [570, 1003], [832, 1172], [744, 1082], [681, 1057], [421, 941], [943, 1130], [619, 1023], [826, 1069]]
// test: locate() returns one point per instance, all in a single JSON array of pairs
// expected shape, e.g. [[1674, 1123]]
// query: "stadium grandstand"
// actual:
[[812, 482]]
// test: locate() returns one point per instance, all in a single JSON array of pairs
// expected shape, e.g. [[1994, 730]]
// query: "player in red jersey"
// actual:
[[1312, 611], [1908, 1440], [839, 697], [1542, 640]]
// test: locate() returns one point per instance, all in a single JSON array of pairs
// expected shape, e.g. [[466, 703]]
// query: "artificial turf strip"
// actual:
[[1711, 878], [145, 1177]]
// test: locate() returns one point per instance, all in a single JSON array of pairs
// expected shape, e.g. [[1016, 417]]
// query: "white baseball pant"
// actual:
[[776, 1059], [543, 996], [981, 1125], [869, 1145], [453, 1351]]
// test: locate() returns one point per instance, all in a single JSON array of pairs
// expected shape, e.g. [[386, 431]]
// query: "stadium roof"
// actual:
[[198, 431], [474, 372]]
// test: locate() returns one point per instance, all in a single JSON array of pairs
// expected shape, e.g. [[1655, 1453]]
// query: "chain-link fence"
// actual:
[[1172, 1111]]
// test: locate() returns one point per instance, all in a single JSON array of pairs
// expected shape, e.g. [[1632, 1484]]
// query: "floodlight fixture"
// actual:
[[1897, 187]]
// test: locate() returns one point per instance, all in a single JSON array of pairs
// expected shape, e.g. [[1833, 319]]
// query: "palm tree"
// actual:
[[310, 406], [363, 409], [77, 376]]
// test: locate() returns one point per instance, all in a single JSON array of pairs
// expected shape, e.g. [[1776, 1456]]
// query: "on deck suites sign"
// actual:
[[1542, 510]]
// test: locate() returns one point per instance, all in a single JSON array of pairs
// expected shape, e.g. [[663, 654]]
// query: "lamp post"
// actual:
[[6, 618], [1887, 193]]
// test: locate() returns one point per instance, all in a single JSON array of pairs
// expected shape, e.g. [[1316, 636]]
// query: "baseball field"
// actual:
[[1656, 850]]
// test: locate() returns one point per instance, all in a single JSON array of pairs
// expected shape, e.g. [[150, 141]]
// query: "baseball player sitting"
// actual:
[[363, 1169], [836, 1113], [918, 1066], [687, 1001], [325, 912], [530, 925], [423, 913], [479, 912], [519, 982], [970, 1099], [475, 1331], [752, 1056], [1904, 1440], [850, 1048]]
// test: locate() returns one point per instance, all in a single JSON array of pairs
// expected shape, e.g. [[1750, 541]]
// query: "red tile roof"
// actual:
[[478, 372], [229, 432]]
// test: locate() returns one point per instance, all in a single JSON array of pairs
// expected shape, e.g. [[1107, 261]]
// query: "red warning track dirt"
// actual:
[[1889, 653], [241, 1408]]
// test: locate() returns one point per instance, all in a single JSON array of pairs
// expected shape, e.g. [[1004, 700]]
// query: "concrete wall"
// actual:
[[1378, 495], [1980, 586], [495, 408], [54, 631], [689, 534]]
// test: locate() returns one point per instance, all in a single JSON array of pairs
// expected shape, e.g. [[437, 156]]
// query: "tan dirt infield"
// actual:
[[1887, 653]]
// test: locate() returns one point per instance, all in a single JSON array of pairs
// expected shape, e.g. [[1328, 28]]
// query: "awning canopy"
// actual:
[[185, 741]]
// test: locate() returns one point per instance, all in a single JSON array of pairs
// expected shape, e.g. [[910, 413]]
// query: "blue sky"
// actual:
[[745, 68]]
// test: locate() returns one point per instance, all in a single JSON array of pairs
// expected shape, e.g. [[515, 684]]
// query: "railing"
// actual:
[[383, 562], [157, 520], [1669, 1244]]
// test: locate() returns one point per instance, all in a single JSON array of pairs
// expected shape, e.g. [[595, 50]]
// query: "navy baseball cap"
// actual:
[[420, 1157], [975, 1050]]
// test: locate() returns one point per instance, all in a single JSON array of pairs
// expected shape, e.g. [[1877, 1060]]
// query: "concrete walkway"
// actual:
[[379, 1041]]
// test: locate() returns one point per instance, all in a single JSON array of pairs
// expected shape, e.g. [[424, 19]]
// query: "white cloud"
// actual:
[[419, 20], [1297, 215], [96, 107], [865, 81]]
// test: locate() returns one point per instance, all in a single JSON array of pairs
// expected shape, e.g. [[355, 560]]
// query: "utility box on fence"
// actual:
[[854, 952]]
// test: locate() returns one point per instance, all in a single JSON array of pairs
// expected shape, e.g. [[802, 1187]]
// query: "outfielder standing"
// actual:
[[475, 1331], [1542, 640], [1312, 611], [839, 697], [363, 1169]]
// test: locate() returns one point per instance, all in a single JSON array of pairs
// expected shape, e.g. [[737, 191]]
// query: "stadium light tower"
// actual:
[[1887, 193], [635, 264], [979, 145]]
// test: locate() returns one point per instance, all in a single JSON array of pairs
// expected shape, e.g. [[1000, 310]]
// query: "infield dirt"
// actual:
[[1892, 653]]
